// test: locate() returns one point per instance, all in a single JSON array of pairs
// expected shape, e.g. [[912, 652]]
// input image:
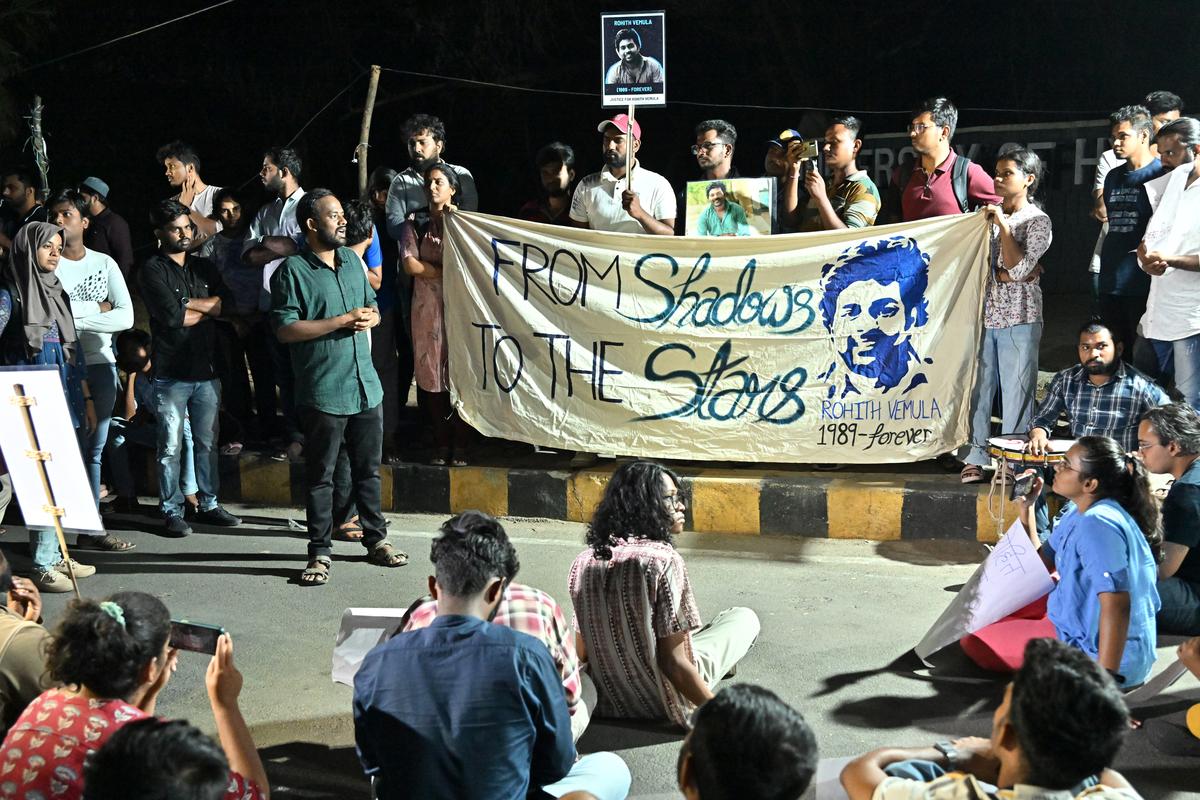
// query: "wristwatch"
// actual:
[[949, 751]]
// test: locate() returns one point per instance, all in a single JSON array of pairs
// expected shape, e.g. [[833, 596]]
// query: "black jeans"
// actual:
[[324, 435]]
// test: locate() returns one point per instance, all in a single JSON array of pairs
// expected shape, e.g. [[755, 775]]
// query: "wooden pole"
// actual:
[[41, 457], [364, 133], [39, 146], [629, 152]]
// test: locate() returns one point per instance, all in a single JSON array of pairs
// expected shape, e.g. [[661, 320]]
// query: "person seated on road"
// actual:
[[532, 611], [154, 759], [22, 642], [746, 742], [638, 626], [1100, 396], [468, 710], [1105, 548], [1169, 443], [112, 660], [1055, 734]]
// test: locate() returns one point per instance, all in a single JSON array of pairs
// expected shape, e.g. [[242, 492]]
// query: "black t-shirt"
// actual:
[[182, 354], [16, 221], [1181, 520]]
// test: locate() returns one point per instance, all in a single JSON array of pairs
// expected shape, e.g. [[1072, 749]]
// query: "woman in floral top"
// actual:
[[113, 659], [1012, 311]]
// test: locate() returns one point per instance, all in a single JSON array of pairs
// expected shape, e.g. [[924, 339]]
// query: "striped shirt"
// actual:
[[623, 606], [1110, 409], [532, 611]]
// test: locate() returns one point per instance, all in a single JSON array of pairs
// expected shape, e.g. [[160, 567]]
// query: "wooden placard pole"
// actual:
[[41, 456], [364, 133], [629, 151]]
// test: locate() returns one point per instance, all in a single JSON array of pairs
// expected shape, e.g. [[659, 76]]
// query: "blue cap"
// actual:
[[784, 137], [95, 185]]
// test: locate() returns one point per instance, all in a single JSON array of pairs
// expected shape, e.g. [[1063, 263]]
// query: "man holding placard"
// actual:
[[605, 200]]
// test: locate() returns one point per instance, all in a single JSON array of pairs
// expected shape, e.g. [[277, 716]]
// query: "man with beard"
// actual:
[[425, 136], [184, 295], [182, 170], [273, 236], [1100, 396], [20, 191], [603, 200], [556, 171], [323, 307], [107, 231]]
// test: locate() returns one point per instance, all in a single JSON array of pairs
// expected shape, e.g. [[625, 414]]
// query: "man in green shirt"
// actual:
[[322, 307]]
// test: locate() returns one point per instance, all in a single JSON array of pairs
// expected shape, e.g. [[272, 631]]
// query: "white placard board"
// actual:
[[828, 779], [56, 436], [1010, 578], [633, 59], [361, 630]]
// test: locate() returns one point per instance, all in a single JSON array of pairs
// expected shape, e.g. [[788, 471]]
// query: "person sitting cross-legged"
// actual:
[[638, 624], [468, 710], [1055, 735], [746, 742], [1169, 443]]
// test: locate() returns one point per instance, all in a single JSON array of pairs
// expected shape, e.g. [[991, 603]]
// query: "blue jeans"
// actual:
[[176, 402], [603, 775], [121, 434], [102, 382], [1008, 362], [1181, 357], [1180, 612], [43, 548]]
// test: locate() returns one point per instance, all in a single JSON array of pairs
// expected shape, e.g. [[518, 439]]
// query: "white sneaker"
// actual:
[[51, 581], [81, 570]]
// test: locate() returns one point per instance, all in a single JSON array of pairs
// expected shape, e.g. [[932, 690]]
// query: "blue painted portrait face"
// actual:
[[874, 296]]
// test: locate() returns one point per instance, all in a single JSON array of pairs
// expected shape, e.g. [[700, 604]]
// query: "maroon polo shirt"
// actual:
[[917, 202]]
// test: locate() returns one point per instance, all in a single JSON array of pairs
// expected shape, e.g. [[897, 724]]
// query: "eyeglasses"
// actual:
[[920, 127], [1067, 465], [706, 146], [673, 500], [1143, 446]]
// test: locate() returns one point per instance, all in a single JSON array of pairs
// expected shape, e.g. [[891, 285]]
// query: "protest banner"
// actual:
[[856, 346], [1010, 578]]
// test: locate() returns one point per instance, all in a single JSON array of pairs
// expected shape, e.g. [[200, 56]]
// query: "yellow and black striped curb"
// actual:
[[742, 501]]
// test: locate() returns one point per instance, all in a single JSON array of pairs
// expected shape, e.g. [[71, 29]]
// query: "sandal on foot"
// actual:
[[317, 572], [385, 555], [440, 458], [971, 473], [107, 543], [349, 532]]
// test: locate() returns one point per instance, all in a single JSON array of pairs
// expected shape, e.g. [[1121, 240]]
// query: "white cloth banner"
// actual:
[[854, 346]]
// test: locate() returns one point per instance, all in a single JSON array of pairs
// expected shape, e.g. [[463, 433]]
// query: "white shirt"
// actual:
[[277, 218], [202, 204], [597, 200], [1173, 307], [88, 282]]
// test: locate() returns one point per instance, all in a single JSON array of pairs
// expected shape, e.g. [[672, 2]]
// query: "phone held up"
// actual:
[[1023, 486], [195, 636]]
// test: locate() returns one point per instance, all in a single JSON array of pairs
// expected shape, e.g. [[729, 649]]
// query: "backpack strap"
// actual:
[[959, 178]]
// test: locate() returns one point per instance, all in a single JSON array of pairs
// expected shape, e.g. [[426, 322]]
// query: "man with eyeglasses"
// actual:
[[184, 295], [1169, 444], [941, 182], [713, 150]]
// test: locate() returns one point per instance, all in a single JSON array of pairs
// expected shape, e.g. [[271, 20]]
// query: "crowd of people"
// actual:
[[304, 327]]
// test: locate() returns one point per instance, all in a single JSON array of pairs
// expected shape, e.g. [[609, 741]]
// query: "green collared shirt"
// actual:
[[334, 373]]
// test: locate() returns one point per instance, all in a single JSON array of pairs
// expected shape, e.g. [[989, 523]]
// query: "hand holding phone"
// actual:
[[195, 636], [1026, 486]]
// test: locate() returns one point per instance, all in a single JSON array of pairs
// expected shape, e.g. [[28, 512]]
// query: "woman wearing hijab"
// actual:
[[36, 327]]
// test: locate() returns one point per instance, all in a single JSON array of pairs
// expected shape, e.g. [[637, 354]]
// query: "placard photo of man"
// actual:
[[633, 59], [724, 215], [632, 66]]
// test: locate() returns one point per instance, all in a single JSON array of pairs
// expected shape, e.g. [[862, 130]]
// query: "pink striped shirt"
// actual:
[[623, 606]]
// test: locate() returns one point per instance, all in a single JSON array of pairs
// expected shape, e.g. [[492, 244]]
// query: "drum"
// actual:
[[1014, 450]]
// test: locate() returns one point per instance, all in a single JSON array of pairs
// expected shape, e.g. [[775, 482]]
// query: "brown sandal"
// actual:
[[385, 555], [317, 572]]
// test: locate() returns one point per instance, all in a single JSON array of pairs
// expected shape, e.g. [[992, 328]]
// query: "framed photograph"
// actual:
[[730, 207], [633, 59]]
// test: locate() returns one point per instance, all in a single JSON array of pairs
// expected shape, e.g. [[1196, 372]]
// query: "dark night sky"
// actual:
[[250, 74]]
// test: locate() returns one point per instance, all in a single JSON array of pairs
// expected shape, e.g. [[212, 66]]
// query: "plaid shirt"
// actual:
[[534, 612], [1110, 409]]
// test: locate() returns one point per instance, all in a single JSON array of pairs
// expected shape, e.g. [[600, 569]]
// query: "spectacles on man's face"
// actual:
[[706, 146], [1144, 446], [920, 127], [674, 499], [1067, 465]]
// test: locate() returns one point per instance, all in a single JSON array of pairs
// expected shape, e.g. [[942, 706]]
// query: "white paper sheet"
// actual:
[[56, 436], [1010, 578], [361, 630], [829, 778]]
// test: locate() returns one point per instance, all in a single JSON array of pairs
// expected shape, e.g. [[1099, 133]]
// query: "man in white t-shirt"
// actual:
[[101, 306], [603, 200], [1170, 253], [182, 168]]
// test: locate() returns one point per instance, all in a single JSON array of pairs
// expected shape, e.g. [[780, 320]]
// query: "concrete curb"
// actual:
[[837, 505]]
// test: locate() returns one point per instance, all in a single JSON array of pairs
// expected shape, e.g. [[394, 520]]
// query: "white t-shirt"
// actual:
[[597, 200], [88, 282], [1107, 160], [202, 204], [1173, 307]]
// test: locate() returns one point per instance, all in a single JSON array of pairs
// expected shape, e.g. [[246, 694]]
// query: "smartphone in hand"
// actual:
[[194, 636], [1023, 486]]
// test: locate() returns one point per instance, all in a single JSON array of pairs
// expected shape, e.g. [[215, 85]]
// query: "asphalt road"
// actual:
[[838, 618]]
